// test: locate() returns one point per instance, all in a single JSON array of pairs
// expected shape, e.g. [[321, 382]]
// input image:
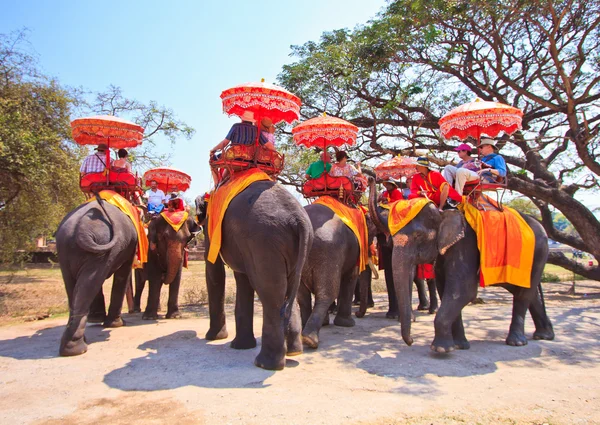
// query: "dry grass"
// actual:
[[35, 293]]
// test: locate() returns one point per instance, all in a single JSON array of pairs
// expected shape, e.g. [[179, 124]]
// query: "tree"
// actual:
[[395, 77]]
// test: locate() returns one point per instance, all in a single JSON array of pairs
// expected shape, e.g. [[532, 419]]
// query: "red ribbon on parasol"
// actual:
[[480, 117], [167, 178], [112, 131], [264, 100], [398, 166], [325, 131]]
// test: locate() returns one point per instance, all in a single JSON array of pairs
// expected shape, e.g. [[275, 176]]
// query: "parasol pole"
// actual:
[[107, 159]]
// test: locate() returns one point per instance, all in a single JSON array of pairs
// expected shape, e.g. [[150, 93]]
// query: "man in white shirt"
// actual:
[[156, 198]]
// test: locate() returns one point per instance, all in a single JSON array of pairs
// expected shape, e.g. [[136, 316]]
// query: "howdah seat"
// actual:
[[242, 157]]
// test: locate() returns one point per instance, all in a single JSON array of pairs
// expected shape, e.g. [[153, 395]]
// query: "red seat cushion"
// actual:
[[327, 183]]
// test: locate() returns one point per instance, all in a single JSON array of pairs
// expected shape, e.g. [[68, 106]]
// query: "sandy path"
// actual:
[[151, 372]]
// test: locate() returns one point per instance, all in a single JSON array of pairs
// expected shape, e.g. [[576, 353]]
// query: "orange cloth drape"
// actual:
[[403, 211], [175, 218], [355, 219], [506, 244], [133, 213], [219, 201]]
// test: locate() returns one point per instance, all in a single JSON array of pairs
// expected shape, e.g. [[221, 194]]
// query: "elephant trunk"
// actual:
[[403, 279], [174, 261], [379, 221]]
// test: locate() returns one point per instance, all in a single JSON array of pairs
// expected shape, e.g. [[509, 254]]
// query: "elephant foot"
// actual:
[[214, 334], [462, 344], [325, 320], [150, 316], [371, 304], [311, 340], [433, 307], [392, 314], [442, 345], [114, 323], [243, 343], [73, 348], [295, 348], [516, 340], [360, 314], [346, 322], [269, 362], [137, 310], [96, 318], [423, 306], [174, 315], [546, 334]]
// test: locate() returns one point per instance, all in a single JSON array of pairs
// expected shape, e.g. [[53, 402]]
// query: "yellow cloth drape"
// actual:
[[355, 219], [219, 202], [506, 245], [133, 213], [175, 218], [403, 211]]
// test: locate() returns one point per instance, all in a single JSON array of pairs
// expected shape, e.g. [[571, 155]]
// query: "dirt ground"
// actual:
[[159, 371]]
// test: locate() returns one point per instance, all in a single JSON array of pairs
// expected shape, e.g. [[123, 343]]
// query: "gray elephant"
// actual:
[[330, 272], [446, 239], [165, 262], [266, 236], [94, 241]]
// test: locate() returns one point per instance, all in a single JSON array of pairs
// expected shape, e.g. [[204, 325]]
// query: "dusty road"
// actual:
[[164, 371]]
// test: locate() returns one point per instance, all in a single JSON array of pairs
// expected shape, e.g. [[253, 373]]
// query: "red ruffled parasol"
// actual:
[[325, 131], [396, 167], [479, 118], [114, 132], [167, 178], [264, 100]]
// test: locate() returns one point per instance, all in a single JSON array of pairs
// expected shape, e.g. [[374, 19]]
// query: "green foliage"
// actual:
[[39, 180], [550, 277]]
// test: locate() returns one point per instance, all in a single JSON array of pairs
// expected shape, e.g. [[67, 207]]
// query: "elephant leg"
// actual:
[[97, 312], [393, 310], [154, 288], [537, 309], [117, 296], [449, 330], [85, 289], [293, 333], [244, 314], [305, 302], [423, 301], [458, 334], [516, 334], [310, 333], [173, 303], [344, 314], [215, 285], [433, 299], [273, 349], [140, 282]]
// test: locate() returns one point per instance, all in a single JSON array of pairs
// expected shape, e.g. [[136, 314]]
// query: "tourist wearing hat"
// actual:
[[96, 162], [463, 172], [493, 164], [243, 133], [430, 184], [391, 193]]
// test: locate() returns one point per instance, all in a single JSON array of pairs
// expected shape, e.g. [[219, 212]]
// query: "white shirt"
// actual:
[[155, 198]]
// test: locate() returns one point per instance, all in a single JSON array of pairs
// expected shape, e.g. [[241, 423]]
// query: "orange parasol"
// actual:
[[264, 100], [480, 117], [396, 167], [325, 131], [167, 178]]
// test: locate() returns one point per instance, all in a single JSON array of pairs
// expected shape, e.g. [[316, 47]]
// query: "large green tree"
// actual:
[[397, 75]]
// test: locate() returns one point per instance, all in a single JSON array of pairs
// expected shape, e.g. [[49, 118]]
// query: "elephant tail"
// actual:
[[305, 237], [85, 239]]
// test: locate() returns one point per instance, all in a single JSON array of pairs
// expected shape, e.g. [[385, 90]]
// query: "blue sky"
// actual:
[[180, 53]]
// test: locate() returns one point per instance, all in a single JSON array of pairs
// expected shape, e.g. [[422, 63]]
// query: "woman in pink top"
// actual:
[[268, 129], [342, 168], [121, 165]]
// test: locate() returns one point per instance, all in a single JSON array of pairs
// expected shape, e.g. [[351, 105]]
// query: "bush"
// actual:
[[550, 277]]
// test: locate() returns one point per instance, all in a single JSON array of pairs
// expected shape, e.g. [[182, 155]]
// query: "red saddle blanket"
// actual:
[[325, 183]]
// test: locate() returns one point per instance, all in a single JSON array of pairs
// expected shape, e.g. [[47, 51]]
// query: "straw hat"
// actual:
[[248, 116]]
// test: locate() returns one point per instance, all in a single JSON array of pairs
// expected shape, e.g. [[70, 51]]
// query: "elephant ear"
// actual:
[[452, 230]]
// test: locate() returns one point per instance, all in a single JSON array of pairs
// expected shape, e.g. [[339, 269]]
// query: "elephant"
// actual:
[[165, 262], [330, 272], [446, 239], [266, 237], [140, 278], [94, 241]]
